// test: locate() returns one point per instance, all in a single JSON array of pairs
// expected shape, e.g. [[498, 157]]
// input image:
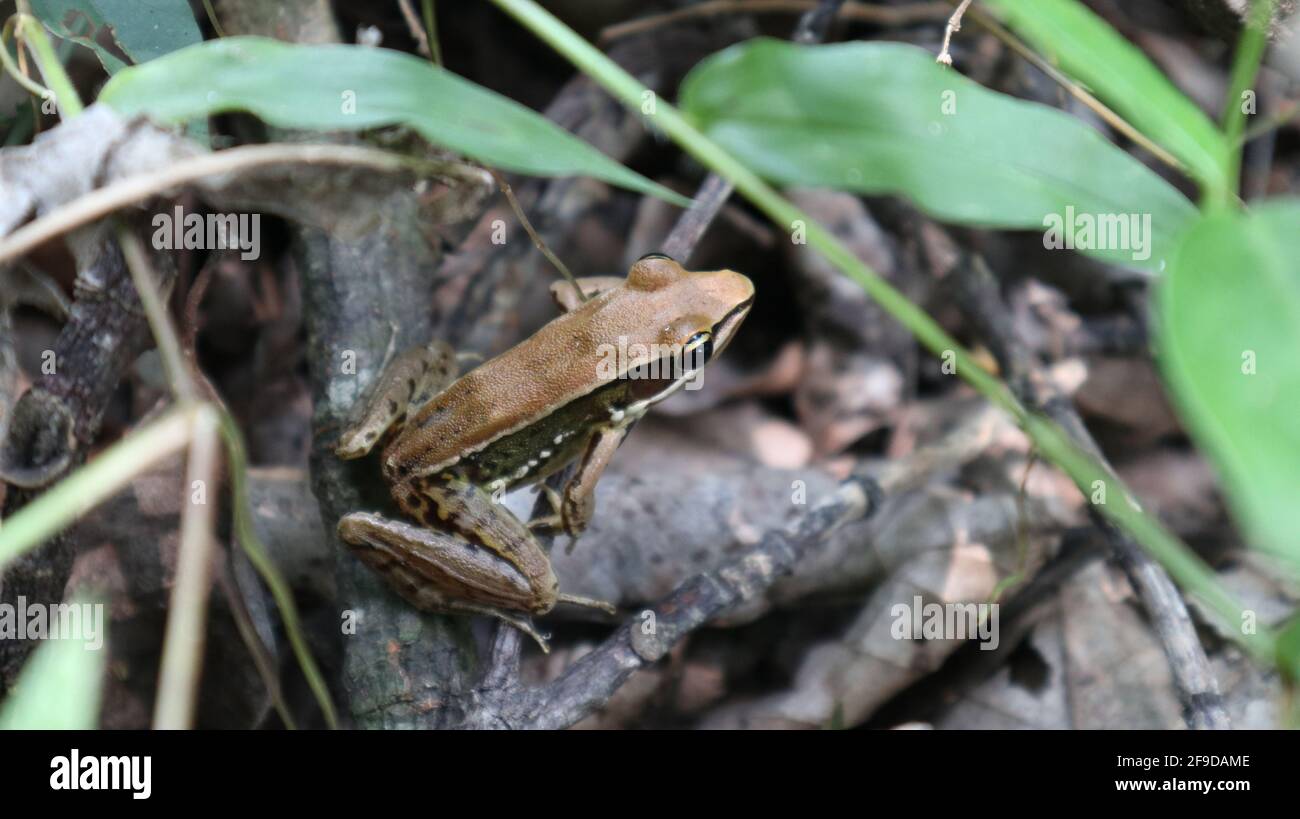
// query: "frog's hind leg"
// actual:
[[405, 384], [441, 573], [470, 555]]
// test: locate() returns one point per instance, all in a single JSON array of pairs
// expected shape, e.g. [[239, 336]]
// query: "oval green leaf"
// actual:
[[350, 88], [1230, 350], [884, 118]]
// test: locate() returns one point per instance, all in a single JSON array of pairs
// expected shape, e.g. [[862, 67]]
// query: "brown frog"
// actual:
[[570, 392]]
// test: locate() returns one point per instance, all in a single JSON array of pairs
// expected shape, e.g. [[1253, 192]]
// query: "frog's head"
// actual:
[[703, 309]]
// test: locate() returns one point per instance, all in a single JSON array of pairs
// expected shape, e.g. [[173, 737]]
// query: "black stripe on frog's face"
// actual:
[[725, 329]]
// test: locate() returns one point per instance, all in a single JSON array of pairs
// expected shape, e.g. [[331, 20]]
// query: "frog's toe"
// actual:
[[589, 602], [527, 628], [546, 524]]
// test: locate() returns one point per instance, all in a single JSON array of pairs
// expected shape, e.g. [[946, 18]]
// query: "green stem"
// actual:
[[1051, 440], [1245, 67], [7, 60], [212, 18], [169, 346], [431, 29], [257, 555], [56, 79]]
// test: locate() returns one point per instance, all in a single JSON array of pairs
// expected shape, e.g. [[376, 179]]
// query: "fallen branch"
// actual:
[[103, 201], [648, 636]]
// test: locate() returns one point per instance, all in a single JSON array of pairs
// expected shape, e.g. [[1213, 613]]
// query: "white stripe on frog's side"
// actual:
[[635, 411]]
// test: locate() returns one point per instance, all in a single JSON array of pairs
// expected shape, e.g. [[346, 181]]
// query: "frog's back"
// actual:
[[658, 304], [503, 395]]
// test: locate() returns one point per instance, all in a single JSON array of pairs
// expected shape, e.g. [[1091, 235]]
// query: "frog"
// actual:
[[452, 445]]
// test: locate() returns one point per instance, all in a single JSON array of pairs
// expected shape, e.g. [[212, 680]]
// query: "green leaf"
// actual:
[[148, 29], [1288, 650], [1230, 344], [339, 87], [59, 688], [143, 29], [1068, 34], [884, 118], [78, 21]]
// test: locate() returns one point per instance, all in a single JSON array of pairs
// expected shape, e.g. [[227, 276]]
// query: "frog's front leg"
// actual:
[[569, 298], [471, 556], [407, 382], [576, 506]]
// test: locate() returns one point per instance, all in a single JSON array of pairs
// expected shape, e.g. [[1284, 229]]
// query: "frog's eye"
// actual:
[[698, 350], [656, 256]]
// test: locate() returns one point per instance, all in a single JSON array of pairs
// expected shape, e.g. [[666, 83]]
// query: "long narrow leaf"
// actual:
[[1069, 34], [360, 88], [883, 118]]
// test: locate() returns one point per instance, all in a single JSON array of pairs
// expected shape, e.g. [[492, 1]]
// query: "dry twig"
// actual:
[[954, 26]]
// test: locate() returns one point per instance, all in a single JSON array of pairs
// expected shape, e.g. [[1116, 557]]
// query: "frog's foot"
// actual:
[[554, 525], [588, 602], [554, 522], [547, 524]]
